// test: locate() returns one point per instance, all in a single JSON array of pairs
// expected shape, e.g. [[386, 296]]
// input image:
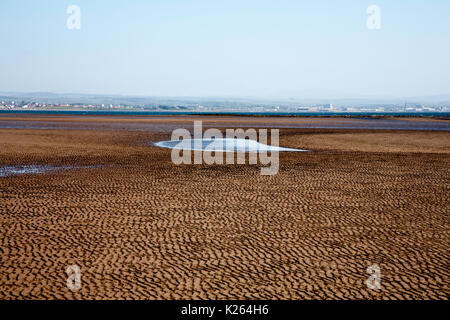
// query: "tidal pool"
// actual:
[[223, 145], [6, 171]]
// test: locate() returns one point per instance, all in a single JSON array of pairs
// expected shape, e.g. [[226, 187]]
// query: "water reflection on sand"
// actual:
[[223, 145], [6, 171]]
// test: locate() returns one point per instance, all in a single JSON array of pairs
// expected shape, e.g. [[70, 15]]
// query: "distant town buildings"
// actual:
[[225, 106]]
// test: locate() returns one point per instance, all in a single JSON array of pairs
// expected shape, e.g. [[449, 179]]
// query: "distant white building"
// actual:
[[326, 107]]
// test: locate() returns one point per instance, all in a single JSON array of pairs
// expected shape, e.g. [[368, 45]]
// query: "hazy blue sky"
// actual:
[[289, 48]]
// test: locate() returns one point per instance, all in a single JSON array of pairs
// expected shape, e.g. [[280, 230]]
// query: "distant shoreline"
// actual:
[[439, 115]]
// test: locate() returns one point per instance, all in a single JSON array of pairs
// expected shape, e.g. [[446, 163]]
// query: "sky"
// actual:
[[227, 48]]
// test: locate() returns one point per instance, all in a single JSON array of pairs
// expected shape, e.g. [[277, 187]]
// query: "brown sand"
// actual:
[[141, 227]]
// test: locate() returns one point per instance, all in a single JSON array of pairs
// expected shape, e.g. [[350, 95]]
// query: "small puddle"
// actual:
[[6, 171], [223, 145]]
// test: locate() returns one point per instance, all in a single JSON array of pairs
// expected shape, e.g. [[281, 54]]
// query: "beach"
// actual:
[[140, 227]]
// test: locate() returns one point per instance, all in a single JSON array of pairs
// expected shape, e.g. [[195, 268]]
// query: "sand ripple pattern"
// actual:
[[143, 228]]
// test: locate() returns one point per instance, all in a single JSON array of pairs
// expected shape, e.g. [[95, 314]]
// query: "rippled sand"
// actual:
[[141, 227]]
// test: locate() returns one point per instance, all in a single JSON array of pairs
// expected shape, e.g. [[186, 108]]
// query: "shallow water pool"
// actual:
[[223, 145]]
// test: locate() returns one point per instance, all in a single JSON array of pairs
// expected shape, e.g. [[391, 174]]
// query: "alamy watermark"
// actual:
[[374, 19], [374, 281], [210, 147], [74, 280], [74, 20]]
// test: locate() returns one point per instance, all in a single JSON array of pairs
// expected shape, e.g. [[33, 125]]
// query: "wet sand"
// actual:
[[141, 227], [159, 123]]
